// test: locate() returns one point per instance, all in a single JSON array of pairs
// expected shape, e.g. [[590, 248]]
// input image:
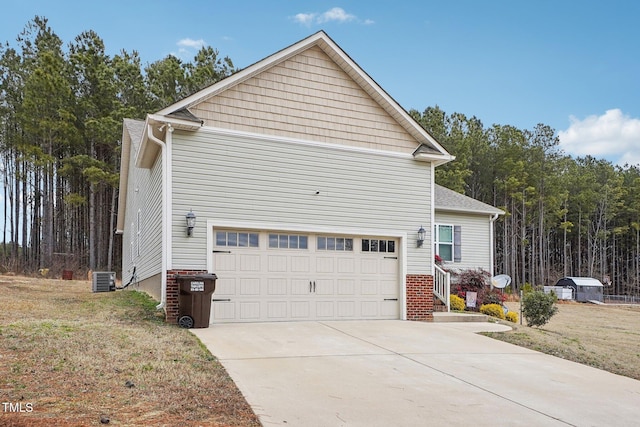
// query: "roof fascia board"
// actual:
[[173, 121], [124, 179], [469, 211]]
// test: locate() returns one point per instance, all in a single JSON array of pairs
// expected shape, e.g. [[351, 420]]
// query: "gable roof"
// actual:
[[132, 132], [449, 200], [434, 152]]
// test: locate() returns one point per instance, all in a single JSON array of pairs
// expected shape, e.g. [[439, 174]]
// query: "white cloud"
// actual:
[[614, 136], [336, 14], [305, 18], [190, 43]]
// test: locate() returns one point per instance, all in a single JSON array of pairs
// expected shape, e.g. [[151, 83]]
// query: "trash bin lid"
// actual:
[[204, 276]]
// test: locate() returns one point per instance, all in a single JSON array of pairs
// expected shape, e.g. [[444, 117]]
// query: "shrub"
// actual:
[[493, 310], [493, 297], [511, 316], [456, 303], [527, 288], [471, 281], [538, 307]]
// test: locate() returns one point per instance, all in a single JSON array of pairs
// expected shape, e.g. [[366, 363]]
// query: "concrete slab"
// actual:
[[395, 373]]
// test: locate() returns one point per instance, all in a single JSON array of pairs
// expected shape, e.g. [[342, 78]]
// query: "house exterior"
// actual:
[[308, 184], [464, 231]]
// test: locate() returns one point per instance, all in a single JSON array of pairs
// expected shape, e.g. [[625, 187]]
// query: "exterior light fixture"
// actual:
[[422, 235], [191, 223]]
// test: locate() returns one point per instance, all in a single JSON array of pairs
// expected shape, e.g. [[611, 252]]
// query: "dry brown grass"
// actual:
[[70, 353], [603, 336]]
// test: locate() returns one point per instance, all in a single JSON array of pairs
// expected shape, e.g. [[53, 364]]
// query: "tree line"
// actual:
[[61, 112], [564, 216]]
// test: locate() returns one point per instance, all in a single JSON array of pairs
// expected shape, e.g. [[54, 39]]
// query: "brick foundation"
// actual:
[[420, 297], [171, 308]]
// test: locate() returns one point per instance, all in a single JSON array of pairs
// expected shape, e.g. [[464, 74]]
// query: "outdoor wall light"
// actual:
[[191, 223], [422, 234]]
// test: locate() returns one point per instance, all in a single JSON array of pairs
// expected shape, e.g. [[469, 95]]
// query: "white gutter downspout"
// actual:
[[493, 219], [160, 143]]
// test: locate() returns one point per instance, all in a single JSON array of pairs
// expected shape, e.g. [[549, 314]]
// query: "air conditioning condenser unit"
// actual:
[[104, 281]]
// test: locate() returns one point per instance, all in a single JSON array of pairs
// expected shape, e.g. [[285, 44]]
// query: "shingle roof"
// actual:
[[135, 129], [449, 200]]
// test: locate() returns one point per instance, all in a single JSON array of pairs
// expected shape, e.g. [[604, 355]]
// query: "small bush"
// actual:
[[527, 288], [493, 297], [493, 310], [512, 316], [538, 307], [456, 303]]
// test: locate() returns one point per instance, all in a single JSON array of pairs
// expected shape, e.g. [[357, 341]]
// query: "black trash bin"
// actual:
[[194, 302]]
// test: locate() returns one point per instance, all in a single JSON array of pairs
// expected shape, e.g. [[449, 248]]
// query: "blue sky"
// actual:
[[573, 65]]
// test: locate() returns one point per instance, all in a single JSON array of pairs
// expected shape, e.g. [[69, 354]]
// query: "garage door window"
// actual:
[[288, 241], [334, 244], [378, 245], [237, 239]]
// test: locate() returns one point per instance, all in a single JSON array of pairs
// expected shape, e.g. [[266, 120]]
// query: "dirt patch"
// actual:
[[603, 336], [72, 357]]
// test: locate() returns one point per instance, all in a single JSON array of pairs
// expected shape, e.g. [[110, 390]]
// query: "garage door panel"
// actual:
[[300, 264], [250, 287], [346, 265], [300, 286], [388, 288], [325, 309], [250, 262], [225, 263], [249, 310], [277, 310], [388, 266], [369, 266], [346, 287], [324, 287], [324, 264], [389, 309], [300, 309], [277, 263], [346, 309], [224, 311], [225, 286], [369, 287], [277, 286], [369, 308], [277, 281]]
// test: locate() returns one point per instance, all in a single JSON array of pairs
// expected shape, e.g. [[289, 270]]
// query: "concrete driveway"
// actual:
[[399, 373]]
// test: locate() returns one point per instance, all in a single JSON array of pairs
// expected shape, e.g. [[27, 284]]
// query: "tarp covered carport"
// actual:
[[584, 288]]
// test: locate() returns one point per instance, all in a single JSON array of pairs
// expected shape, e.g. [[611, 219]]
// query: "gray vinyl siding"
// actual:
[[475, 235], [234, 178], [144, 193]]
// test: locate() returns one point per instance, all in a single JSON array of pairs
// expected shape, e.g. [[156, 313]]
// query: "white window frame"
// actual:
[[250, 243], [437, 242], [285, 240]]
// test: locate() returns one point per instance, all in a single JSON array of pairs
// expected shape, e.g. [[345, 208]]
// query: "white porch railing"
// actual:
[[442, 286]]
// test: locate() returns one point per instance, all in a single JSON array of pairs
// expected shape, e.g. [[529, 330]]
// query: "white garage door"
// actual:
[[279, 276]]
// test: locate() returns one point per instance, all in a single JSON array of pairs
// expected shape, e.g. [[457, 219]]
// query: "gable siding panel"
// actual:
[[235, 178], [307, 97], [475, 239]]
